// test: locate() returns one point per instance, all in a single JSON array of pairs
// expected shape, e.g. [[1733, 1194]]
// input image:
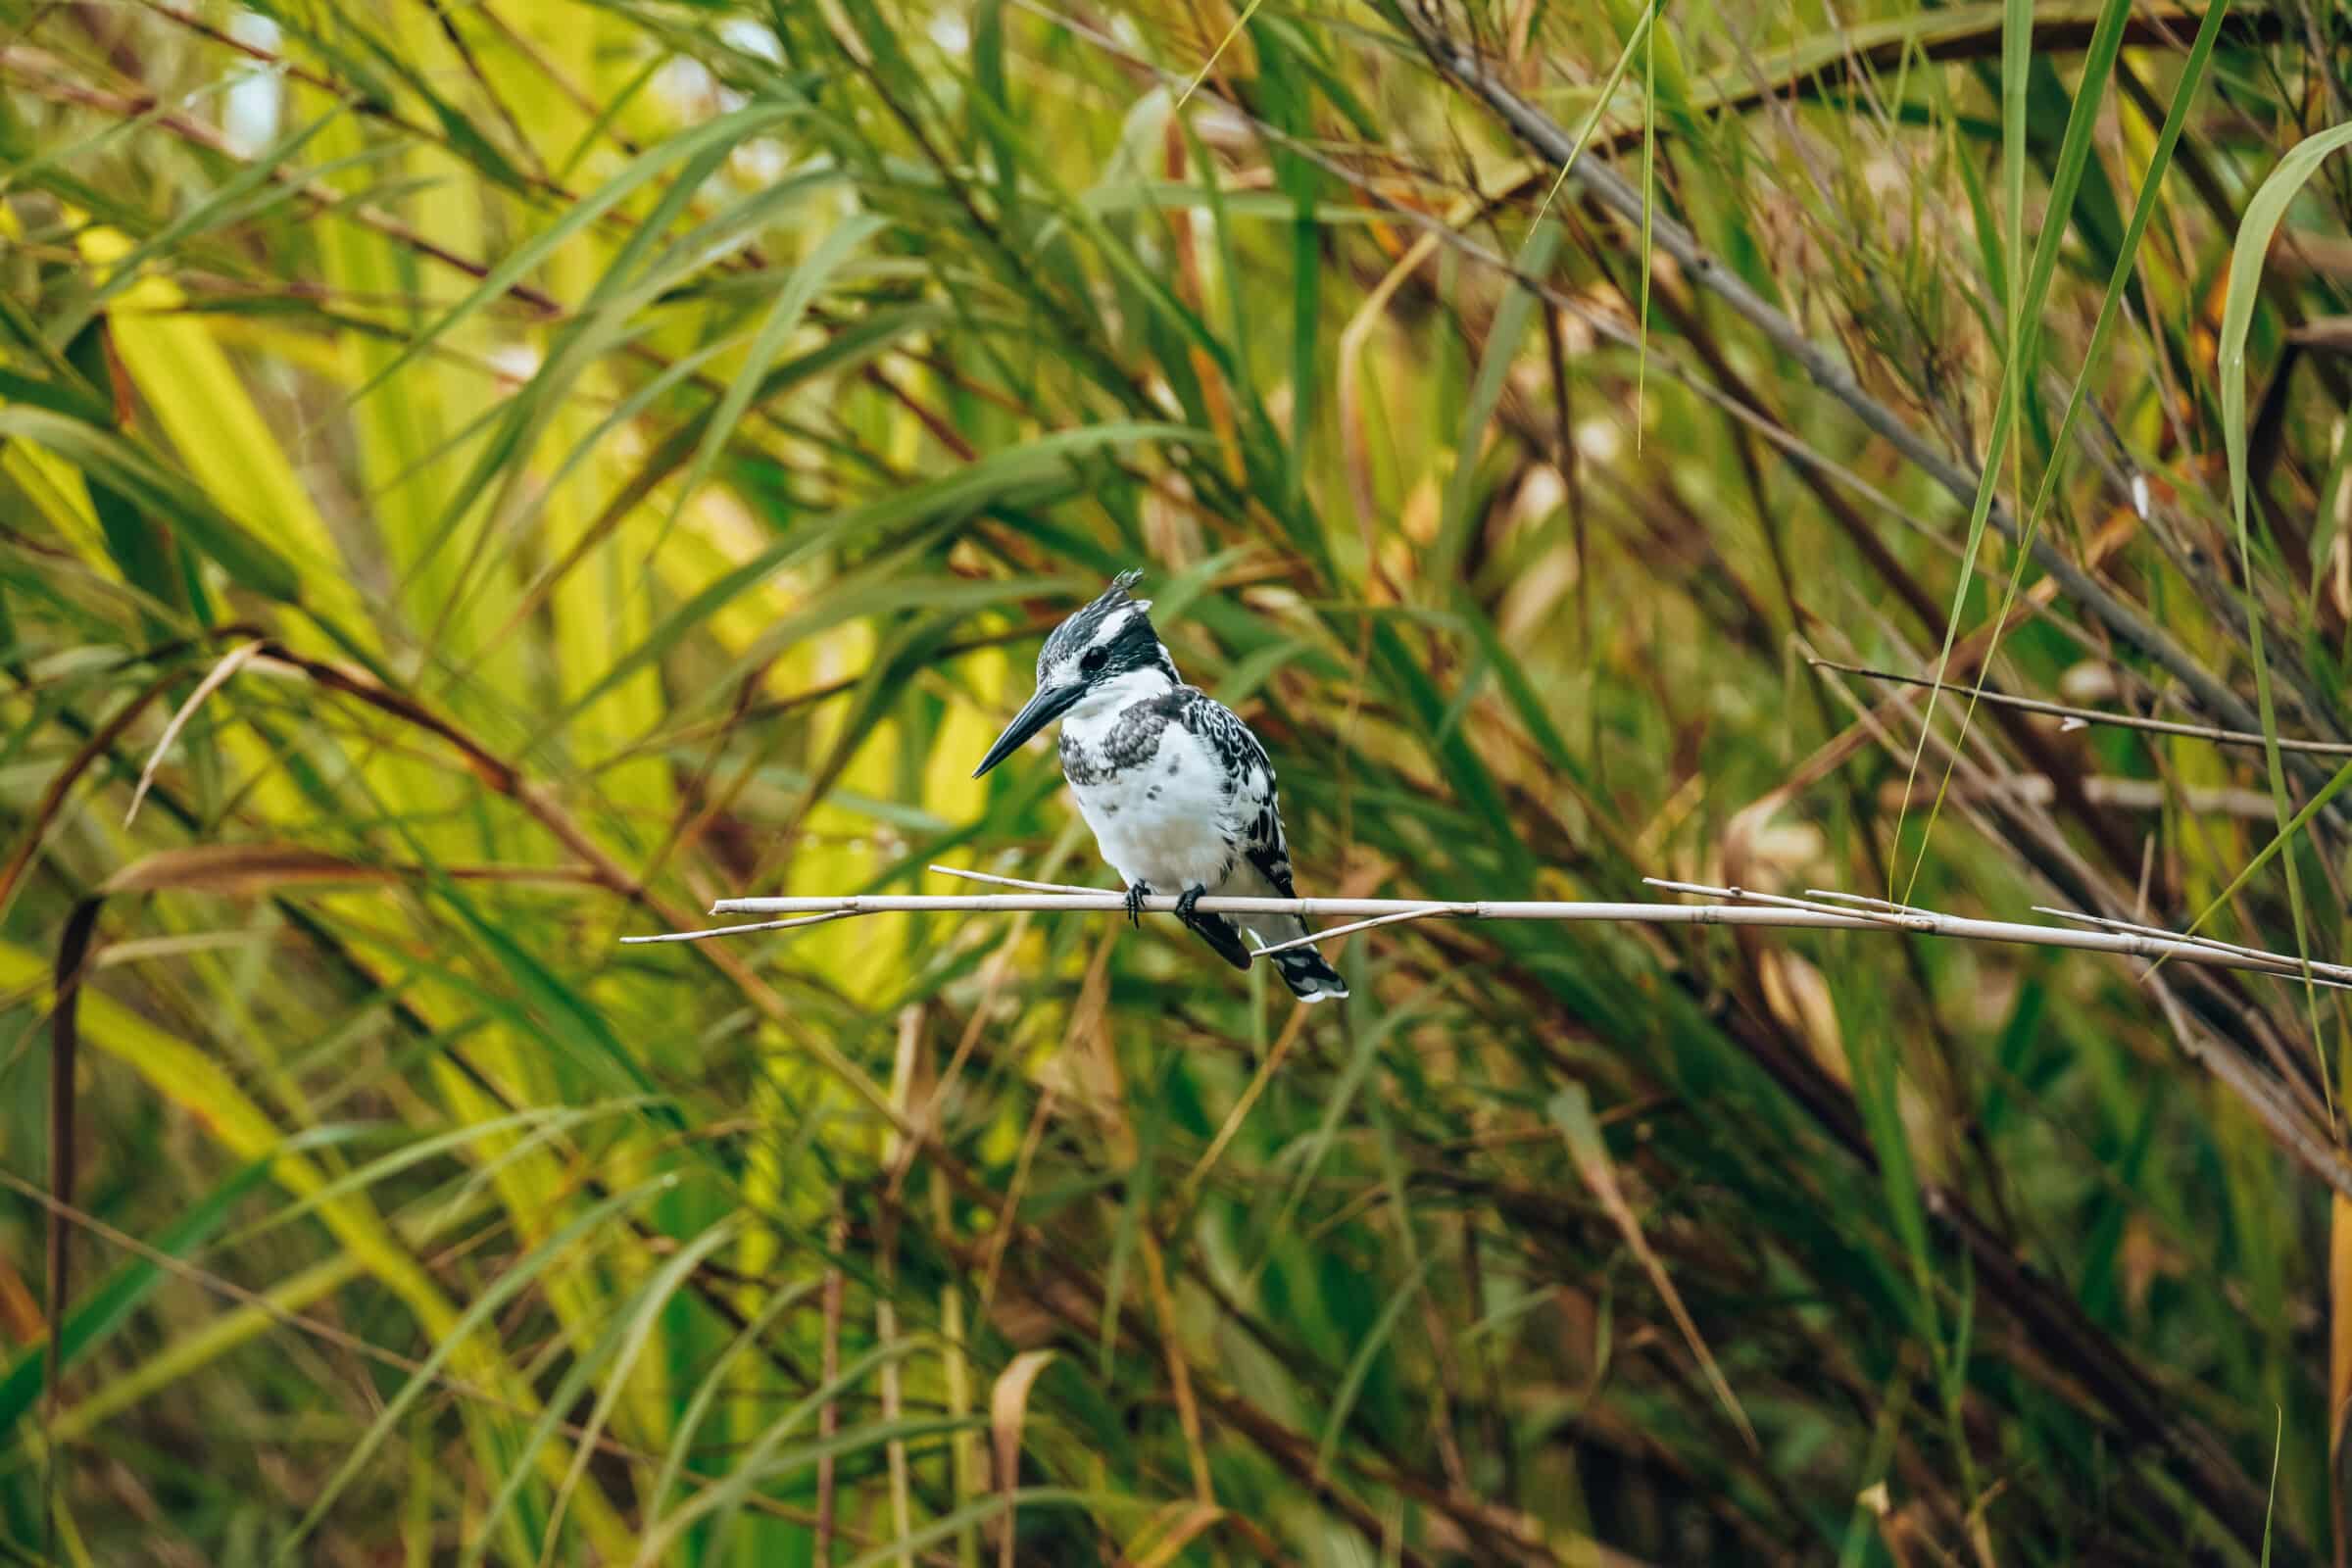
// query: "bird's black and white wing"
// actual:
[[1255, 814], [1262, 857]]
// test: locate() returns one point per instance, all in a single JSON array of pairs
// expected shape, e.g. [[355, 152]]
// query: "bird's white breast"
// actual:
[[1164, 818]]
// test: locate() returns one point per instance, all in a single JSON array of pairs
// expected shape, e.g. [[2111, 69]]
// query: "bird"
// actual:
[[1178, 792]]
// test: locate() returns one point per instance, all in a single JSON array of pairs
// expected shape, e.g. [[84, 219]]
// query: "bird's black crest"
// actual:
[[1135, 646], [1109, 600]]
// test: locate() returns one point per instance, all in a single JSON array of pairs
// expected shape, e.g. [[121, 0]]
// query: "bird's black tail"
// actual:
[[1221, 934], [1303, 969], [1309, 978]]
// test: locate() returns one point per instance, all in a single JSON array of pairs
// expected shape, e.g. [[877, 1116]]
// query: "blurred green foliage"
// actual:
[[557, 465]]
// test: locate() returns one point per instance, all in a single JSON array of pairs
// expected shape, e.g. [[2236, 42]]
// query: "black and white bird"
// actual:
[[1178, 792]]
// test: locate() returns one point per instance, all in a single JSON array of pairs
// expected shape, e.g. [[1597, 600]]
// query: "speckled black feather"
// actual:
[[1238, 752]]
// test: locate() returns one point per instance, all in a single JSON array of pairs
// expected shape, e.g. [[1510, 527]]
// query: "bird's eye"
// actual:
[[1094, 661]]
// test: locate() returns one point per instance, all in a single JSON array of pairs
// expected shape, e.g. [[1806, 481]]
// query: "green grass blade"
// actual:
[[2247, 255], [784, 318], [726, 130], [117, 462], [509, 1283], [105, 1309], [957, 494]]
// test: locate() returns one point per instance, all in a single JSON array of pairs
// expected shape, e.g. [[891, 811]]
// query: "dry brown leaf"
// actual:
[[2339, 1323], [1008, 1410], [1191, 1521], [238, 868], [20, 1315], [1797, 995]]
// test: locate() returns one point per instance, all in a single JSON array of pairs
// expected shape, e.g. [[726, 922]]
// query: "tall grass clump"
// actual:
[[479, 481]]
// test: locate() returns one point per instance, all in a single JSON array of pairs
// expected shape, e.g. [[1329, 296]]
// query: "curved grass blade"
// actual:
[[726, 130], [613, 317], [510, 1283], [1511, 320], [105, 1309], [960, 492], [979, 1513], [558, 1118], [783, 320], [1571, 1111], [612, 1357], [2247, 254], [2025, 297], [1359, 1367], [1318, 1143], [230, 202], [759, 1462], [123, 465], [2072, 157], [752, 1333], [181, 1358]]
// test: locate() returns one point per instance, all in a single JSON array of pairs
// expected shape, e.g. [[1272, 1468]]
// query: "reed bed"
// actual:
[[482, 484]]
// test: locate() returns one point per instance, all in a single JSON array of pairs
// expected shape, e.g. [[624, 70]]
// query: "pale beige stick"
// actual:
[[1313, 937], [1011, 881], [1753, 914], [1901, 920], [2092, 716], [2335, 974], [1765, 910], [742, 930]]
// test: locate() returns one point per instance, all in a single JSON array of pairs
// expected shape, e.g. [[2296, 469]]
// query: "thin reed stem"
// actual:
[[1741, 906]]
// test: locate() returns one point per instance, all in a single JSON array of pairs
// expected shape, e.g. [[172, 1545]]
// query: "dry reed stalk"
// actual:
[[1818, 911]]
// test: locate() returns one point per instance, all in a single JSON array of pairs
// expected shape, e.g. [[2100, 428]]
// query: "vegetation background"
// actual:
[[565, 463]]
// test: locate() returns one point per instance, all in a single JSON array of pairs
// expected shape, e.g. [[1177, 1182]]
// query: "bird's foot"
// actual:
[[1137, 892], [1183, 903]]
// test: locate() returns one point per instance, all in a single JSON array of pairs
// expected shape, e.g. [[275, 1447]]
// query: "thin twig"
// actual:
[[2328, 974], [742, 930], [2091, 715], [1313, 937], [1831, 895], [1742, 907], [1012, 881], [1903, 918]]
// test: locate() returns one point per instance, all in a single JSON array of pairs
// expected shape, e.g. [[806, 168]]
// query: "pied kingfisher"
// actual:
[[1178, 792]]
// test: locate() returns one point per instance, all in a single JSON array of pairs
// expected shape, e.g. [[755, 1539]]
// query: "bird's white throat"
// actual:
[[1105, 701]]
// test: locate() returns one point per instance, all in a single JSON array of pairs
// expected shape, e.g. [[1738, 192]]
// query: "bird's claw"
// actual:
[[1183, 903], [1136, 894]]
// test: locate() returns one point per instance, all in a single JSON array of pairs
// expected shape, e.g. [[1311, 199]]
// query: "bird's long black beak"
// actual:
[[1048, 705]]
